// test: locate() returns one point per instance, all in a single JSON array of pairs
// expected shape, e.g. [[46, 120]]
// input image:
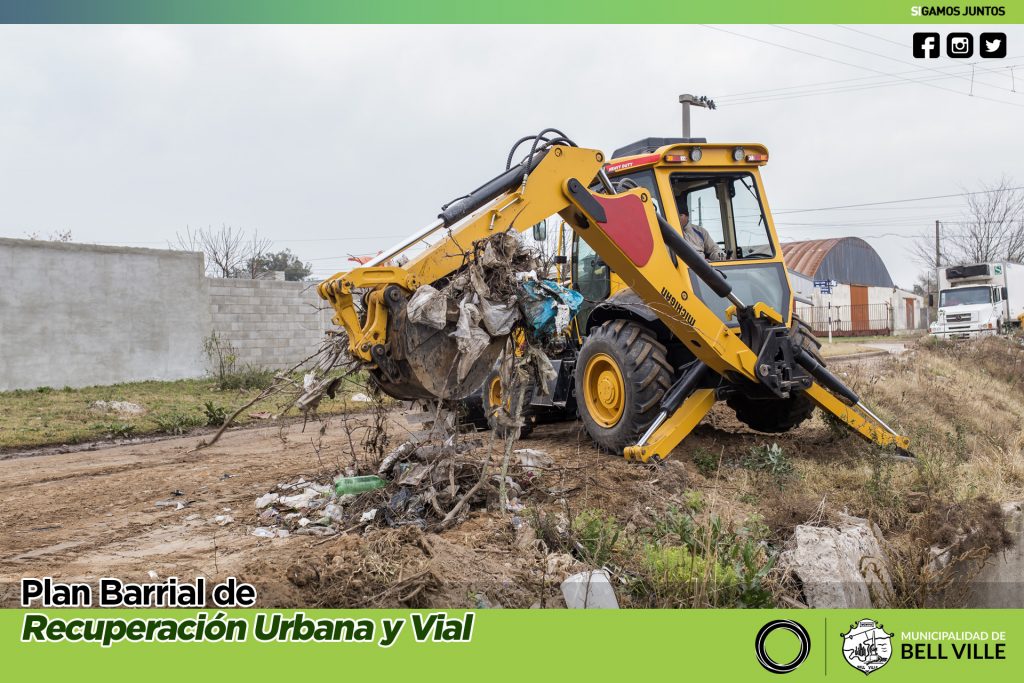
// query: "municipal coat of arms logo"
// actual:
[[866, 646]]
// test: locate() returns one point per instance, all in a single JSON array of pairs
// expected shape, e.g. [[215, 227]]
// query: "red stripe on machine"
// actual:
[[632, 163]]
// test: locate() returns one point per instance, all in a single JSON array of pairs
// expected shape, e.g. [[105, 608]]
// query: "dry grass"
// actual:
[[961, 407]]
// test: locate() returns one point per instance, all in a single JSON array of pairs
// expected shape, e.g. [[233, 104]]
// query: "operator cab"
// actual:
[[721, 188]]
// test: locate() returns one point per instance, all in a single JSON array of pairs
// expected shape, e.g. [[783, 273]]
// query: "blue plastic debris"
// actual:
[[540, 302]]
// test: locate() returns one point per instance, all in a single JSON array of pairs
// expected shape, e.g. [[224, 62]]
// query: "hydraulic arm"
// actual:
[[627, 232]]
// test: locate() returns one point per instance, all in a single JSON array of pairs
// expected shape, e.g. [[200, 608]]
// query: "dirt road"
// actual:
[[112, 512], [81, 516]]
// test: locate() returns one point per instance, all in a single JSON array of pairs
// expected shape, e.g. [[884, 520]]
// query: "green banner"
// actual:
[[524, 11], [512, 645]]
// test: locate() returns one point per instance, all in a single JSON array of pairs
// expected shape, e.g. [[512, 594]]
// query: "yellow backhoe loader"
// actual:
[[677, 334]]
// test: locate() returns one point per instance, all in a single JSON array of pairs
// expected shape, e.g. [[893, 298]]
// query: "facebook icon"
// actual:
[[926, 45]]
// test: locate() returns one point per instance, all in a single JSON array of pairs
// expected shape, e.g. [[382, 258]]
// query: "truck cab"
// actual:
[[974, 300]]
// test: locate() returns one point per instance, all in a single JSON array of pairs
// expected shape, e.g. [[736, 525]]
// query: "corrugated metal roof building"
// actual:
[[847, 260], [864, 301]]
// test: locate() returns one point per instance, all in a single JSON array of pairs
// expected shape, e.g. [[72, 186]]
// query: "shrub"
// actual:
[[118, 430], [707, 563], [248, 377], [215, 415], [771, 459], [222, 357], [179, 423], [678, 577], [597, 534], [694, 501]]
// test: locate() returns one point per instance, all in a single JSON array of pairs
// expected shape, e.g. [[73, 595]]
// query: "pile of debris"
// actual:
[[504, 283], [432, 486], [298, 507]]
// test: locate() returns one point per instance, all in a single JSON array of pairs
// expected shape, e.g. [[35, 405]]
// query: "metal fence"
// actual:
[[850, 320]]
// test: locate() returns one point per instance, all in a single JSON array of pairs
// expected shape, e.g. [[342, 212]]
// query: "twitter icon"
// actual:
[[993, 45]]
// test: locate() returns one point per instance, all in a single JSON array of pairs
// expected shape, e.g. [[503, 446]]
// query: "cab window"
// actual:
[[591, 277], [728, 207]]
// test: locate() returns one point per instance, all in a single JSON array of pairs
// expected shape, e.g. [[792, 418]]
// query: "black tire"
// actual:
[[491, 404], [775, 416], [645, 375], [472, 411]]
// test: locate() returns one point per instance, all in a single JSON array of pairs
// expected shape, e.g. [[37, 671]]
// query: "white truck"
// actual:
[[978, 300]]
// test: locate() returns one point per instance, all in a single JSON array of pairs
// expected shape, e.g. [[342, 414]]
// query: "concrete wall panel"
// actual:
[[77, 315]]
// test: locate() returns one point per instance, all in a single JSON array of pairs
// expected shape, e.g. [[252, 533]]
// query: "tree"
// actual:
[[925, 283], [293, 267], [228, 251], [59, 236], [991, 229]]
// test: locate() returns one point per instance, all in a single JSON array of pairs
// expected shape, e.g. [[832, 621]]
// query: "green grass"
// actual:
[[47, 416]]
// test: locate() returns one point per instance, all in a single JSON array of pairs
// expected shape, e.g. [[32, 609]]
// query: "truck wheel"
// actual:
[[495, 402], [622, 373], [774, 416]]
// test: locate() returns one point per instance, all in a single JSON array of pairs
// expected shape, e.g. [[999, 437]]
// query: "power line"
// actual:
[[841, 88], [905, 46], [832, 91], [903, 201], [870, 52], [856, 66], [872, 35], [830, 82]]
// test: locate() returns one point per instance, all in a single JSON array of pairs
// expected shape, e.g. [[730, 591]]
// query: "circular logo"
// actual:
[[793, 627]]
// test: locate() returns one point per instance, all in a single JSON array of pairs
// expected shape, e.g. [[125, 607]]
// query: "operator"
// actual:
[[699, 238]]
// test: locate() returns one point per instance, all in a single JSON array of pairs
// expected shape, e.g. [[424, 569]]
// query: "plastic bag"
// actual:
[[469, 337], [498, 318], [540, 302], [428, 307]]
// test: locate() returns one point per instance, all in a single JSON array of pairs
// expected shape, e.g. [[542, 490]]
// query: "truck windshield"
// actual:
[[965, 296]]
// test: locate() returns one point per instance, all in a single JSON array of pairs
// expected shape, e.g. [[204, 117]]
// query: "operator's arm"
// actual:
[[711, 250]]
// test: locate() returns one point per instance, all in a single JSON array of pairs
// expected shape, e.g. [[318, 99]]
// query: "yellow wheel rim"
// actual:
[[494, 393], [604, 392]]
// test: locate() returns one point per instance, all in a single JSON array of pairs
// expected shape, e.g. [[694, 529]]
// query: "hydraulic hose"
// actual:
[[462, 207]]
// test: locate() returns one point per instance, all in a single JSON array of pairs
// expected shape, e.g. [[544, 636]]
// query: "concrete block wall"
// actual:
[[271, 323], [78, 315]]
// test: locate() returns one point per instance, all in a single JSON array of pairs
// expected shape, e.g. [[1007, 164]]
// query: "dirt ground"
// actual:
[[84, 515]]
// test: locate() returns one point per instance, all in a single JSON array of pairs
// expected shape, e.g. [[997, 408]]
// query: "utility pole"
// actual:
[[692, 100], [938, 262]]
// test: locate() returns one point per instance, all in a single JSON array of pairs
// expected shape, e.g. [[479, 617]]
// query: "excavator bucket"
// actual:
[[426, 362]]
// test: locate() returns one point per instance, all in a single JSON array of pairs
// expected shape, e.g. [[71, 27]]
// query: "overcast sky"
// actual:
[[336, 140]]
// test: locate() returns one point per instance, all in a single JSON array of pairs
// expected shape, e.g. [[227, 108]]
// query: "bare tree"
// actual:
[[59, 236], [925, 282], [229, 252], [991, 229], [256, 250]]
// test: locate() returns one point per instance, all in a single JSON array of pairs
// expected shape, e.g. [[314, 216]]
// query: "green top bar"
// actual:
[[520, 11]]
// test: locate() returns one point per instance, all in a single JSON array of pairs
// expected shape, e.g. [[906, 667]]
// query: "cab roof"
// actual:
[[649, 145]]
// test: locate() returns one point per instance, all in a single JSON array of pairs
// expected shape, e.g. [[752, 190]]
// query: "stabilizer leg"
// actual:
[[858, 418], [674, 429]]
